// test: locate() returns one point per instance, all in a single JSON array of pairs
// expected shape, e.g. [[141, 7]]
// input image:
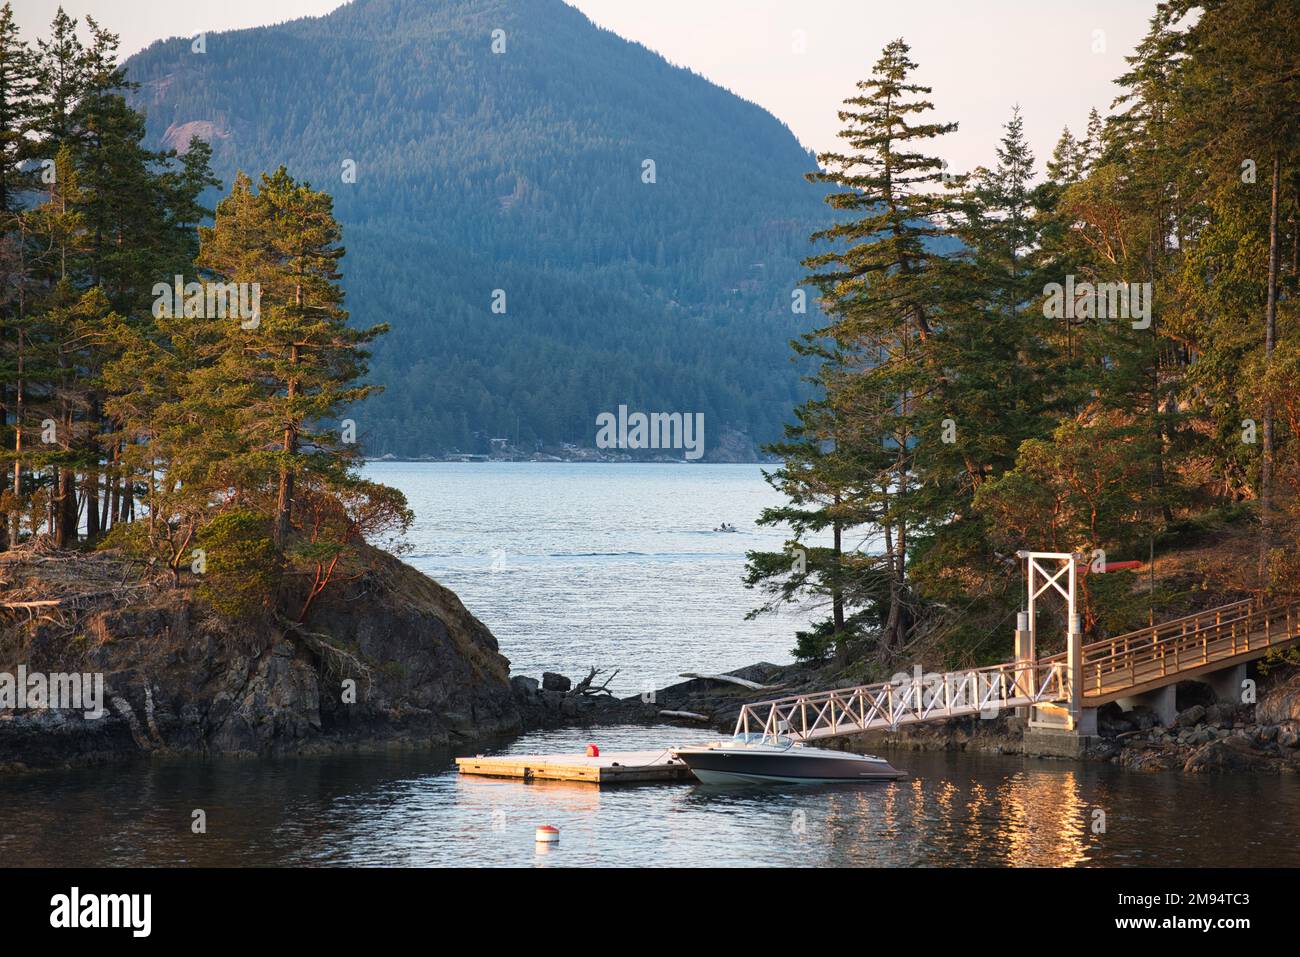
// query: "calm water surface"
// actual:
[[413, 810], [575, 566], [617, 566]]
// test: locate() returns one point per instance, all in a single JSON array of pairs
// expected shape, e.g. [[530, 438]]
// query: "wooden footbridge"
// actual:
[[1083, 677]]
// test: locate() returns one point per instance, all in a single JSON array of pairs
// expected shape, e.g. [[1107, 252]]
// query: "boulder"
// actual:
[[1147, 759], [1105, 750], [552, 699], [554, 682], [1280, 703], [1288, 738], [524, 687], [1193, 715], [1226, 755]]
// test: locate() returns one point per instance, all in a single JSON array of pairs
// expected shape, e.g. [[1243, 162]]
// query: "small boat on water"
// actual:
[[764, 758]]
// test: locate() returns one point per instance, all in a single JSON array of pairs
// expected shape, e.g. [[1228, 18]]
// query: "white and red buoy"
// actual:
[[546, 834]]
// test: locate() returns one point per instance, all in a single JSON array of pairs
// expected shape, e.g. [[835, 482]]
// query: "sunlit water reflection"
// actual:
[[412, 809]]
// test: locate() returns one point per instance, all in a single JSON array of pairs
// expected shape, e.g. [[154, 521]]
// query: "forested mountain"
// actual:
[[524, 171]]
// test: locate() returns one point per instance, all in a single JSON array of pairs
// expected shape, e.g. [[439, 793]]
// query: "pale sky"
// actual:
[[798, 58]]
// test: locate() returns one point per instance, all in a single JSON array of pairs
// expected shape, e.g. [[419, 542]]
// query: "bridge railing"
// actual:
[[890, 704], [1107, 648], [1113, 664], [1182, 651]]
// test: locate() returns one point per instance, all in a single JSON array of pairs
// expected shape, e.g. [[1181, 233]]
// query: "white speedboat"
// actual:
[[762, 758]]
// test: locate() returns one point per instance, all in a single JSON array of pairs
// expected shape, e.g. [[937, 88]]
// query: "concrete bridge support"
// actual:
[[1226, 684], [1162, 701]]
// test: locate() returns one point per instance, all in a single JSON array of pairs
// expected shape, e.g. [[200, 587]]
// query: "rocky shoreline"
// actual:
[[391, 659]]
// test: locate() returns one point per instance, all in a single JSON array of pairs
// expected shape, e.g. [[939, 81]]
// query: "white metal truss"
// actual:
[[1144, 659], [891, 704]]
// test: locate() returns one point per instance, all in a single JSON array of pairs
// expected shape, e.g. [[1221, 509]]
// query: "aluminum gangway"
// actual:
[[890, 704], [1106, 670], [1184, 648]]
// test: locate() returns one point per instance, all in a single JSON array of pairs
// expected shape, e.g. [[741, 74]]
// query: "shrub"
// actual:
[[243, 566]]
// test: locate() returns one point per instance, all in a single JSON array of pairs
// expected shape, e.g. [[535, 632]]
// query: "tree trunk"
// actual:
[[289, 444], [67, 517], [837, 595], [108, 508], [90, 482], [1270, 342], [15, 520]]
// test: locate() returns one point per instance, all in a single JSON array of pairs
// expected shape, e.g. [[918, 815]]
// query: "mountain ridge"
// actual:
[[520, 171]]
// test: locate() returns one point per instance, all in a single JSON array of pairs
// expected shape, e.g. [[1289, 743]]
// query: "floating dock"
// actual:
[[616, 767]]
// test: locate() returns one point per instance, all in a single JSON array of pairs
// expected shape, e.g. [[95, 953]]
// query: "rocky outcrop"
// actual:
[[699, 702], [1280, 702], [390, 658], [1226, 755]]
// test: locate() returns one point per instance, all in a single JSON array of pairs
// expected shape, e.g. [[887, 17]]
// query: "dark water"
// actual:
[[412, 809]]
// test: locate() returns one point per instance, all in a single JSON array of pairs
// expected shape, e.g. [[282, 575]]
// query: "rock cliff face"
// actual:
[[1280, 704], [392, 657]]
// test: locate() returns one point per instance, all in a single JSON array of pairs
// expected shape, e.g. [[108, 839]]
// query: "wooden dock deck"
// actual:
[[615, 767]]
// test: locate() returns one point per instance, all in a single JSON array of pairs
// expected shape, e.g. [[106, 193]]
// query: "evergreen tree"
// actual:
[[1238, 94], [17, 111], [1063, 167], [299, 352], [877, 284], [995, 392]]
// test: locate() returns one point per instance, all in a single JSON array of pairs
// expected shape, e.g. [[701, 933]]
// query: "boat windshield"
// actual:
[[755, 739]]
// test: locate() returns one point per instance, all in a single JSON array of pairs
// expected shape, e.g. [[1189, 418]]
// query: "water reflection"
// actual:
[[412, 809]]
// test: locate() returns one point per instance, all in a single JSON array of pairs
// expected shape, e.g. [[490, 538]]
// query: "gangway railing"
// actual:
[[1112, 667], [1133, 666], [1135, 641], [890, 704]]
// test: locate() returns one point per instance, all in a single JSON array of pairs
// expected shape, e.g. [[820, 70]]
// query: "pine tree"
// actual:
[[878, 284], [1090, 147], [994, 396], [821, 478], [300, 354], [1063, 167]]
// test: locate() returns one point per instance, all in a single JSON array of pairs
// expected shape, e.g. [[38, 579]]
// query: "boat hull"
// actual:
[[738, 767]]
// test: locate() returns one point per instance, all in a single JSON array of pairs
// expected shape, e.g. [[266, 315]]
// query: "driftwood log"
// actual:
[[684, 714], [585, 686], [731, 679]]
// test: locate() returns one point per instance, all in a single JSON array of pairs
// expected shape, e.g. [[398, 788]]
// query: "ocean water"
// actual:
[[611, 566]]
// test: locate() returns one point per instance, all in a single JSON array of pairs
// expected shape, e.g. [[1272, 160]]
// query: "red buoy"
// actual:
[[547, 834], [593, 751]]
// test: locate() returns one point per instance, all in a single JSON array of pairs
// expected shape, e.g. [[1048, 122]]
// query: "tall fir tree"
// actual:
[[878, 282], [299, 352]]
